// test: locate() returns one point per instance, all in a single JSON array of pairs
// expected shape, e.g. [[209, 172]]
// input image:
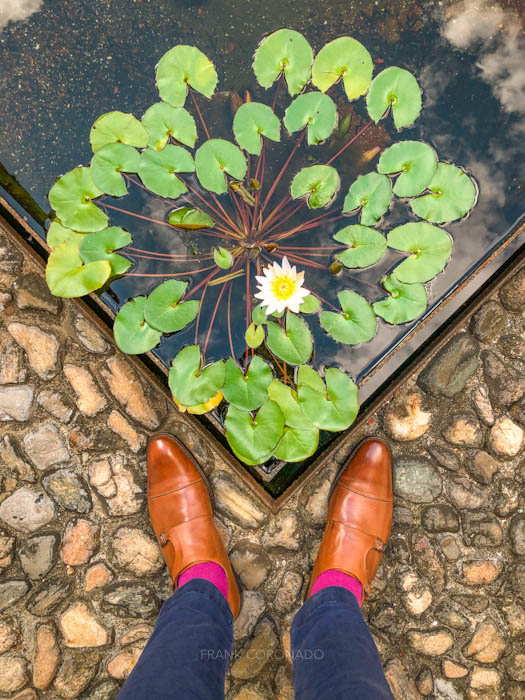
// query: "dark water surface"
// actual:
[[67, 62]]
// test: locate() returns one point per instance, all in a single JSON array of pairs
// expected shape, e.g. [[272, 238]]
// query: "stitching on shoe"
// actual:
[[192, 483], [364, 495]]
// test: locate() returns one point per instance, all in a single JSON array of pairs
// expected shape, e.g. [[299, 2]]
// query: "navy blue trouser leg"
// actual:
[[189, 651], [335, 657]]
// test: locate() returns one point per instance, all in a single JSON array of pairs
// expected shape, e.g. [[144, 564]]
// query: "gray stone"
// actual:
[[12, 369], [11, 258], [440, 518], [56, 404], [448, 371], [516, 666], [76, 673], [45, 446], [482, 467], [46, 598], [451, 618], [253, 606], [488, 322], [401, 685], [288, 591], [512, 345], [416, 479], [517, 411], [313, 501], [27, 510], [507, 498], [251, 563], [284, 531], [445, 457], [512, 293], [31, 292], [464, 494], [89, 336], [450, 548], [13, 673], [42, 349], [16, 402], [38, 555], [107, 690], [427, 561], [256, 653], [482, 530], [463, 429], [12, 460], [475, 603], [517, 534], [6, 550], [403, 517], [425, 681], [130, 600], [234, 503], [505, 384], [68, 490], [11, 592], [481, 402]]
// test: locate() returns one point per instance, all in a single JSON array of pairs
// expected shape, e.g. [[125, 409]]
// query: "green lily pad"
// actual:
[[71, 197], [259, 315], [162, 120], [294, 345], [133, 335], [223, 258], [415, 162], [190, 384], [214, 159], [157, 170], [406, 303], [333, 406], [58, 234], [367, 245], [297, 445], [310, 305], [165, 312], [284, 51], [343, 58], [117, 127], [250, 391], [357, 324], [67, 276], [289, 404], [252, 121], [430, 247], [253, 439], [372, 193], [254, 335], [182, 66], [318, 183], [452, 195], [314, 110], [109, 162], [188, 218], [397, 88], [100, 246]]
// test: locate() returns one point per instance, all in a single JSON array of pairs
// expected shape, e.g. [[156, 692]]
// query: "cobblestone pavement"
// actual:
[[82, 577]]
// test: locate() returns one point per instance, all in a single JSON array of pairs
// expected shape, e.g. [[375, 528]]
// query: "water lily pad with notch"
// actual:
[[253, 439], [452, 195], [182, 66], [372, 193], [300, 438], [133, 335], [71, 197], [416, 163], [222, 258], [344, 58], [430, 247], [288, 402], [158, 170], [117, 127], [332, 406], [315, 111], [189, 383], [357, 324], [58, 234], [284, 51], [214, 159], [189, 218], [165, 312], [162, 120], [366, 245], [250, 391], [293, 345], [310, 305], [254, 335], [405, 303], [101, 246], [259, 315], [252, 121], [317, 183], [396, 88], [67, 276], [107, 165]]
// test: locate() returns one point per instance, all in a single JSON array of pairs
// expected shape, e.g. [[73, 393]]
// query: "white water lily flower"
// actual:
[[281, 288]]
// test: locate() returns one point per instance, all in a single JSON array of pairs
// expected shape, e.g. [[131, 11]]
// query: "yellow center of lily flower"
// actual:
[[283, 287]]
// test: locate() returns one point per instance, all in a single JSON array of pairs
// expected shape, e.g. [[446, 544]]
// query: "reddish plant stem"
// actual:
[[361, 281], [302, 227], [281, 221], [303, 261], [169, 274], [238, 206], [282, 171], [229, 320], [204, 256], [212, 321], [227, 220], [292, 247], [349, 143], [260, 165], [274, 212], [279, 83], [207, 279], [325, 301], [164, 258], [200, 114]]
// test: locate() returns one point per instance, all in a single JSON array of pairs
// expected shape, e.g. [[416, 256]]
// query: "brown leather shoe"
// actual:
[[359, 515], [181, 513]]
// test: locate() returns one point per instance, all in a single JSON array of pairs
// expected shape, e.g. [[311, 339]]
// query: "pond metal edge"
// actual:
[[382, 396]]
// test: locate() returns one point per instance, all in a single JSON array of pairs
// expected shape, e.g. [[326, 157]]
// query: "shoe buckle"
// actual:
[[163, 540]]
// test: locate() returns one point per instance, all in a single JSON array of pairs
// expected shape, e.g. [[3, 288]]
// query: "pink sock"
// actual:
[[333, 577], [208, 570]]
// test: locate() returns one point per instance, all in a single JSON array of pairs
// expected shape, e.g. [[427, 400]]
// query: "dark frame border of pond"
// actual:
[[274, 487]]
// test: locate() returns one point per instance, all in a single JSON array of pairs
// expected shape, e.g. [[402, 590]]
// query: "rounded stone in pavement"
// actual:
[[45, 446], [440, 518], [47, 597], [10, 592], [488, 322], [46, 656], [482, 467], [512, 293], [464, 429], [517, 534], [135, 552], [9, 635], [448, 371], [130, 600], [253, 606], [487, 643], [416, 479], [41, 348], [406, 417], [89, 336], [256, 652], [13, 673], [506, 437], [80, 628], [80, 540], [75, 673], [16, 402], [431, 643], [68, 490], [27, 510], [251, 563], [38, 555]]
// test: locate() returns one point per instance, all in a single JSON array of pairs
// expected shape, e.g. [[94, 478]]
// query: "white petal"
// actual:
[[260, 295], [285, 264], [293, 306]]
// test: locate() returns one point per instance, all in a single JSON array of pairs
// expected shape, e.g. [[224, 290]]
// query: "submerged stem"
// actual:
[[349, 143]]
